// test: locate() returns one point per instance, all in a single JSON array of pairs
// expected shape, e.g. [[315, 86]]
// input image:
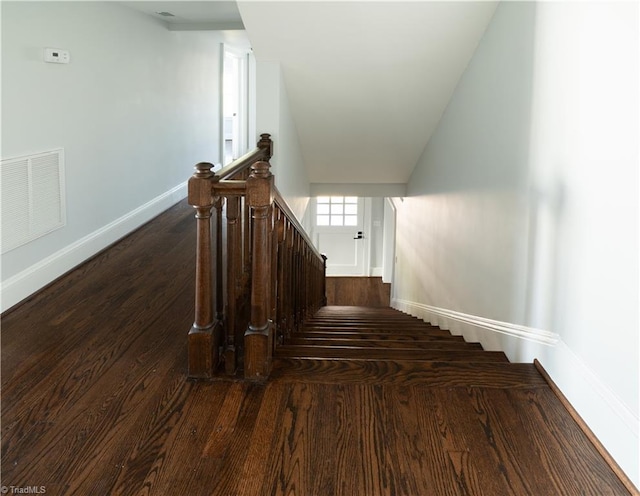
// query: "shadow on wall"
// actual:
[[545, 208], [469, 191]]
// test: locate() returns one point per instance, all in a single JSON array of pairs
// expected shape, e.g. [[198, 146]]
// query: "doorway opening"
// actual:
[[235, 90]]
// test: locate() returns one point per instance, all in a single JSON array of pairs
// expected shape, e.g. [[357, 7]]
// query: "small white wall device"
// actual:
[[56, 56]]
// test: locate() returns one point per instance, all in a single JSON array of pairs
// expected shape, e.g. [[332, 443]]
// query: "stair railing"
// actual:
[[258, 274]]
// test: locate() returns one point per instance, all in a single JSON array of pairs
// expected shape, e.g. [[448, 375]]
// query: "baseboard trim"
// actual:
[[626, 481], [376, 271], [521, 332], [25, 283]]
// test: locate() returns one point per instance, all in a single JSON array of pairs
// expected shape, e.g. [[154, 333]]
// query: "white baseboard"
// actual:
[[611, 420], [444, 317], [27, 282], [376, 271]]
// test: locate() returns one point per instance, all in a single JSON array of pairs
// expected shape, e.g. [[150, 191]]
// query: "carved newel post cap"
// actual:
[[266, 143], [203, 169], [261, 169]]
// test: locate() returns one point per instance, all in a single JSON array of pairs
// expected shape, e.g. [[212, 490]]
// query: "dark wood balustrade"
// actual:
[[258, 276]]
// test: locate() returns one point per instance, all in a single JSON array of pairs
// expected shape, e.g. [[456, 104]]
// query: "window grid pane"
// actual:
[[337, 211], [322, 220], [350, 220]]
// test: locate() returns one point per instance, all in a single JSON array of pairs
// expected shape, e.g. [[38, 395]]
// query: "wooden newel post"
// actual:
[[201, 342], [259, 335], [265, 143]]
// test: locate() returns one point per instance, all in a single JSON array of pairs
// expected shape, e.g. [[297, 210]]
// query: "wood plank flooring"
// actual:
[[359, 291], [95, 402]]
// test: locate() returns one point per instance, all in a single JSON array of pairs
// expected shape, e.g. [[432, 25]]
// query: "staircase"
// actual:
[[363, 344]]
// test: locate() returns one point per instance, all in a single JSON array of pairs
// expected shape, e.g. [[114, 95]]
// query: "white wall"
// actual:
[[273, 115], [388, 241], [520, 228], [462, 224], [584, 178], [376, 233], [135, 109]]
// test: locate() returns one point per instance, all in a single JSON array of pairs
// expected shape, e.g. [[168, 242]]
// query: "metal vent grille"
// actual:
[[32, 197]]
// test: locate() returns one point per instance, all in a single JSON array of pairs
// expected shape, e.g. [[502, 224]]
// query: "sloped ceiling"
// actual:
[[367, 81]]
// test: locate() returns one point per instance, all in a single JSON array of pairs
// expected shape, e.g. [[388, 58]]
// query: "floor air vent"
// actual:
[[32, 197]]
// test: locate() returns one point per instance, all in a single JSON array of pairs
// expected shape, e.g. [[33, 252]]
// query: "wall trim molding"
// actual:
[[515, 330], [604, 393], [586, 429], [25, 283]]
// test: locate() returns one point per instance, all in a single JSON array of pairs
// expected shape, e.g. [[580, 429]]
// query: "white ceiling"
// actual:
[[192, 15], [367, 80]]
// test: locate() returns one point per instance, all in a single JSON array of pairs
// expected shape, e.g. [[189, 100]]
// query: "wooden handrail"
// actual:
[[262, 281], [280, 201], [263, 151]]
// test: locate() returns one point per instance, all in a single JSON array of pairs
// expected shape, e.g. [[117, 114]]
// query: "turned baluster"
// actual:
[[233, 274], [281, 288], [323, 275], [300, 283], [289, 281], [273, 311], [305, 282], [218, 205], [246, 234]]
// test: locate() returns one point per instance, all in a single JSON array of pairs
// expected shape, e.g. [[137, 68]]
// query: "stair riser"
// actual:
[[425, 374], [379, 343], [372, 336], [398, 336], [391, 354], [341, 333], [376, 322]]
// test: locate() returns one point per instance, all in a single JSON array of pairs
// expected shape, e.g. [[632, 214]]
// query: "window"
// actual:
[[337, 211]]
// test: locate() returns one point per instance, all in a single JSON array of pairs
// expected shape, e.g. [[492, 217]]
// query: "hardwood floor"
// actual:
[[95, 401]]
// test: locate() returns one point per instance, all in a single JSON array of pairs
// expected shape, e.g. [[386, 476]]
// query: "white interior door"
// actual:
[[339, 234]]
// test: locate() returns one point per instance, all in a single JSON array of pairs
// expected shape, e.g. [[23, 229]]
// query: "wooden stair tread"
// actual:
[[382, 345], [407, 372]]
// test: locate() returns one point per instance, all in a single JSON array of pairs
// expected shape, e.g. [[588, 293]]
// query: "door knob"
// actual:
[[360, 235]]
